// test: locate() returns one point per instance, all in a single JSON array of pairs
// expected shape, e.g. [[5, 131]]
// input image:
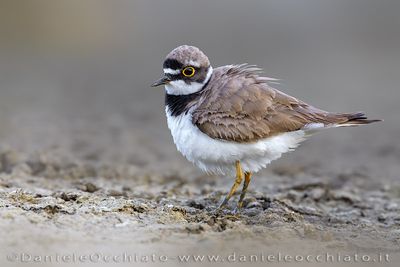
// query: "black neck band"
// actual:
[[178, 104]]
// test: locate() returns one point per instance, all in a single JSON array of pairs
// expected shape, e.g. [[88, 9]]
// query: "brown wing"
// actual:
[[239, 106]]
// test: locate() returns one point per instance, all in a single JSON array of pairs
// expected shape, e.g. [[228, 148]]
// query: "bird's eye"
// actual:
[[188, 71]]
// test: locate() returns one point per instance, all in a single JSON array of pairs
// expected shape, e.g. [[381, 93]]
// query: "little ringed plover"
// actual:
[[230, 121]]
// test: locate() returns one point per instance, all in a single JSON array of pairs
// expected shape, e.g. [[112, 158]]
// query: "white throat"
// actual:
[[179, 87]]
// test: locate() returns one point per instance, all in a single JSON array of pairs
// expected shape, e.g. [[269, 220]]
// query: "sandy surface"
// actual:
[[76, 196]]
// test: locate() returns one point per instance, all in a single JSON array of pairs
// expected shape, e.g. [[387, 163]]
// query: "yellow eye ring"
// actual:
[[188, 71]]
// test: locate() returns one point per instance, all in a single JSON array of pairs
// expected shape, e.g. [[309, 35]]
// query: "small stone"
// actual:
[[116, 193], [90, 187], [382, 218], [67, 196], [195, 204], [252, 212], [391, 206], [248, 200], [366, 223], [254, 204], [316, 193], [126, 188]]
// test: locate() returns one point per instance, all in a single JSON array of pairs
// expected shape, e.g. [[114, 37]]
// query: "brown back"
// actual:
[[238, 105]]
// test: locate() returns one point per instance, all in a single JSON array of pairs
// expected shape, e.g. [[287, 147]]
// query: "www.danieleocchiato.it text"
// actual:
[[186, 258]]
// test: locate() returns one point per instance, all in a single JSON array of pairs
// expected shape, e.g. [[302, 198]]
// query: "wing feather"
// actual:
[[240, 106]]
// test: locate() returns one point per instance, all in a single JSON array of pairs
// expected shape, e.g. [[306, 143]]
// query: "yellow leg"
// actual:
[[247, 178], [238, 181]]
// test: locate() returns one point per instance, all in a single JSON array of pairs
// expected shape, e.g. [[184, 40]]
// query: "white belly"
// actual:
[[218, 156]]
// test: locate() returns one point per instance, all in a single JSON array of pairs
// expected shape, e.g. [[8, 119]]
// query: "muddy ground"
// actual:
[[73, 194]]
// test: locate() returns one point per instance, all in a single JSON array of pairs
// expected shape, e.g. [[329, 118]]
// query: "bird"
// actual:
[[230, 121]]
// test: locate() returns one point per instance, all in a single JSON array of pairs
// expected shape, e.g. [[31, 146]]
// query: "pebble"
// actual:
[[391, 206], [116, 193], [316, 193], [252, 211], [254, 204], [91, 188]]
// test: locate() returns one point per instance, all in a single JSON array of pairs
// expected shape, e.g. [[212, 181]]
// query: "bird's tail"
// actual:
[[355, 119]]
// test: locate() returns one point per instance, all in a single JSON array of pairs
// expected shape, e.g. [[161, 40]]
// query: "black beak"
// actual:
[[163, 80]]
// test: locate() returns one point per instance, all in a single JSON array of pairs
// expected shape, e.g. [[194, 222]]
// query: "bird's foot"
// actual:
[[222, 208], [223, 203], [238, 207], [236, 211]]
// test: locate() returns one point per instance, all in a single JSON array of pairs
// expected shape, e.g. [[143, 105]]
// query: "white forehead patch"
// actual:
[[193, 63], [171, 71]]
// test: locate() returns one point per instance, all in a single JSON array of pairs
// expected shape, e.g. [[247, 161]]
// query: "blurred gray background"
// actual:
[[75, 75]]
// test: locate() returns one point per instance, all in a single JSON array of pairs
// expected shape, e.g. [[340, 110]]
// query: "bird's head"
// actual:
[[186, 71]]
